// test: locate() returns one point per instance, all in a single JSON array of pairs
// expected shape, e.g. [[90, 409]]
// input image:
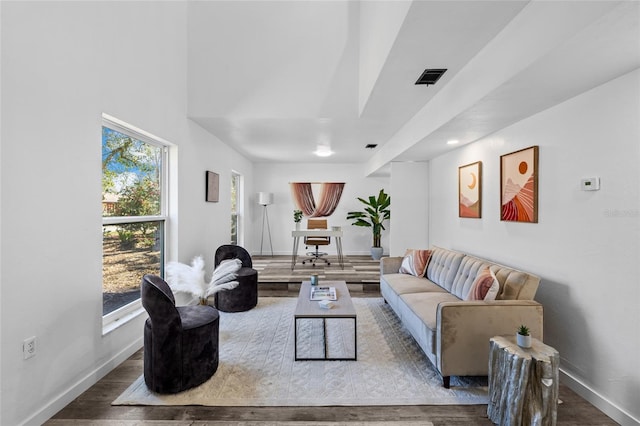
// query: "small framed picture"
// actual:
[[470, 190], [519, 186], [213, 184]]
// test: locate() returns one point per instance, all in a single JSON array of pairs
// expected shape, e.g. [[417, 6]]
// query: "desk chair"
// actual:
[[316, 241]]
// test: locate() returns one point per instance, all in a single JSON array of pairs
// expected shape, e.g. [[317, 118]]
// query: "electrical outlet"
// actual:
[[29, 347]]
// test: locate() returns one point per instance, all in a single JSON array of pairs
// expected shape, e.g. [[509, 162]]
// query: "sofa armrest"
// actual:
[[465, 327], [390, 265]]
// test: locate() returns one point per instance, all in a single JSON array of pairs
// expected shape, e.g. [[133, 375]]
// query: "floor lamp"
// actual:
[[264, 199]]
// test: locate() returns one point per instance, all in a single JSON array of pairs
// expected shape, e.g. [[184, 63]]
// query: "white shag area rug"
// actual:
[[257, 366]]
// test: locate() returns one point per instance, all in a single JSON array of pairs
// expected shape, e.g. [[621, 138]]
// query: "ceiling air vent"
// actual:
[[430, 76], [371, 145]]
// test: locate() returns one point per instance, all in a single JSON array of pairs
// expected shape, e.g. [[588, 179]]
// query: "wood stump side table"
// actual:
[[523, 382]]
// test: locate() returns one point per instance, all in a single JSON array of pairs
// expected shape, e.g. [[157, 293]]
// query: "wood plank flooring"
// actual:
[[94, 408]]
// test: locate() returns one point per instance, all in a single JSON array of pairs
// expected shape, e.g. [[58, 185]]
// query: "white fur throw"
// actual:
[[190, 278]]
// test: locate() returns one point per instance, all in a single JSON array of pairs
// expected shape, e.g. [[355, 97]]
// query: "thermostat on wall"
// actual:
[[590, 184]]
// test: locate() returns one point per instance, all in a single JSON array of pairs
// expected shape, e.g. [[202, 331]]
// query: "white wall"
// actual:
[[380, 23], [276, 178], [409, 186], [205, 226], [586, 246], [63, 65]]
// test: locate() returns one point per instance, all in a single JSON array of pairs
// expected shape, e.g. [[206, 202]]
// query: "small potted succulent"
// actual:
[[297, 217], [523, 337]]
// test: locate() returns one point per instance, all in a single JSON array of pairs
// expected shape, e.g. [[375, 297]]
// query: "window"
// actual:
[[133, 215], [235, 207]]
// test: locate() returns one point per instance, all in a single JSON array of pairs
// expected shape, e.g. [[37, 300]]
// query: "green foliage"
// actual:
[[126, 237], [140, 199], [297, 216], [376, 211], [125, 159], [523, 330]]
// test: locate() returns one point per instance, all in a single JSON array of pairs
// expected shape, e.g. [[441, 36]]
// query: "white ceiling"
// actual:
[[274, 79]]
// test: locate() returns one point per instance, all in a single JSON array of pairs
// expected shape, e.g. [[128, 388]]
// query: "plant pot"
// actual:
[[297, 226], [523, 341], [376, 253]]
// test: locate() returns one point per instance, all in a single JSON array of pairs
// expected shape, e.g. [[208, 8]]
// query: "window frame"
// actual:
[[125, 313], [238, 178]]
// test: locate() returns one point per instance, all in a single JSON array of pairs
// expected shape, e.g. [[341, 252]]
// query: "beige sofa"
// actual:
[[452, 332]]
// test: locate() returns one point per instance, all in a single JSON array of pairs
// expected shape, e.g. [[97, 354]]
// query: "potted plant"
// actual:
[[376, 211], [297, 217], [523, 337]]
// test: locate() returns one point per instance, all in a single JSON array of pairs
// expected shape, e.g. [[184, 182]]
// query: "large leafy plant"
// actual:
[[376, 211]]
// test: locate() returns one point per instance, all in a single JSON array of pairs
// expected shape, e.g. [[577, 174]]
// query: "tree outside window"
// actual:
[[133, 220], [235, 207]]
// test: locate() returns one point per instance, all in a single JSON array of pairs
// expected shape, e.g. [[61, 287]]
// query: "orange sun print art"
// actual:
[[519, 186]]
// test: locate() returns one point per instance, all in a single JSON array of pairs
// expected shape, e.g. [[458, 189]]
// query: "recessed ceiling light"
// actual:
[[453, 142], [323, 151], [430, 76]]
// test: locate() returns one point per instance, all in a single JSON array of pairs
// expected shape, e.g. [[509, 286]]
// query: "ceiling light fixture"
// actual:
[[323, 151], [430, 76], [453, 142], [371, 145]]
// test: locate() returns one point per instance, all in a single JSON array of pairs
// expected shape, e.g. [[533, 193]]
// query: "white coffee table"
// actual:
[[342, 308]]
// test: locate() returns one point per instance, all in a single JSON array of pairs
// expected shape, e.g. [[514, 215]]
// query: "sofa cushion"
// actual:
[[405, 283], [485, 286], [415, 262], [420, 315], [443, 266], [514, 284], [466, 275]]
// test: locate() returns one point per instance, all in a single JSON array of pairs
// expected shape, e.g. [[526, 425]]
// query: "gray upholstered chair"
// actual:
[[245, 295], [180, 342]]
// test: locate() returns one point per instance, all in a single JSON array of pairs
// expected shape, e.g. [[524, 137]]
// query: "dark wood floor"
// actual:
[[94, 406]]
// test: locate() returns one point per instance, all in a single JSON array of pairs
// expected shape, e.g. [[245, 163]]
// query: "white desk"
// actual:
[[337, 235]]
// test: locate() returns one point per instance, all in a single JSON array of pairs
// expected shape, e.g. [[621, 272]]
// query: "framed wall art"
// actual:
[[213, 185], [519, 186], [470, 190]]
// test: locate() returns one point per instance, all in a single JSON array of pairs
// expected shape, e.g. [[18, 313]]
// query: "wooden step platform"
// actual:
[[275, 277]]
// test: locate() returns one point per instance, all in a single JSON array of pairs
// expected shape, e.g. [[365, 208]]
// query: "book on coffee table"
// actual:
[[323, 293]]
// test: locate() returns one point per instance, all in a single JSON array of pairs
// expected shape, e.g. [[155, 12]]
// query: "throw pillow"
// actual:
[[415, 262], [485, 286]]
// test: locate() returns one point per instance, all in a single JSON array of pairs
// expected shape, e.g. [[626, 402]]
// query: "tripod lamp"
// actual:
[[264, 199]]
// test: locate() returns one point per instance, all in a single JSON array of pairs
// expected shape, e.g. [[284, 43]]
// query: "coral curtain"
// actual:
[[330, 193]]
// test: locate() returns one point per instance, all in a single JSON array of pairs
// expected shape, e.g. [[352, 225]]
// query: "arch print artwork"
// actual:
[[519, 186], [470, 190]]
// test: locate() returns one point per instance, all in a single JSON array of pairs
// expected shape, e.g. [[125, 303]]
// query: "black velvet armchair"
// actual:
[[180, 342], [245, 295]]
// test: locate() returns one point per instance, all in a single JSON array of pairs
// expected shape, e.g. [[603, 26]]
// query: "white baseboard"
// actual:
[[66, 397], [616, 413]]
